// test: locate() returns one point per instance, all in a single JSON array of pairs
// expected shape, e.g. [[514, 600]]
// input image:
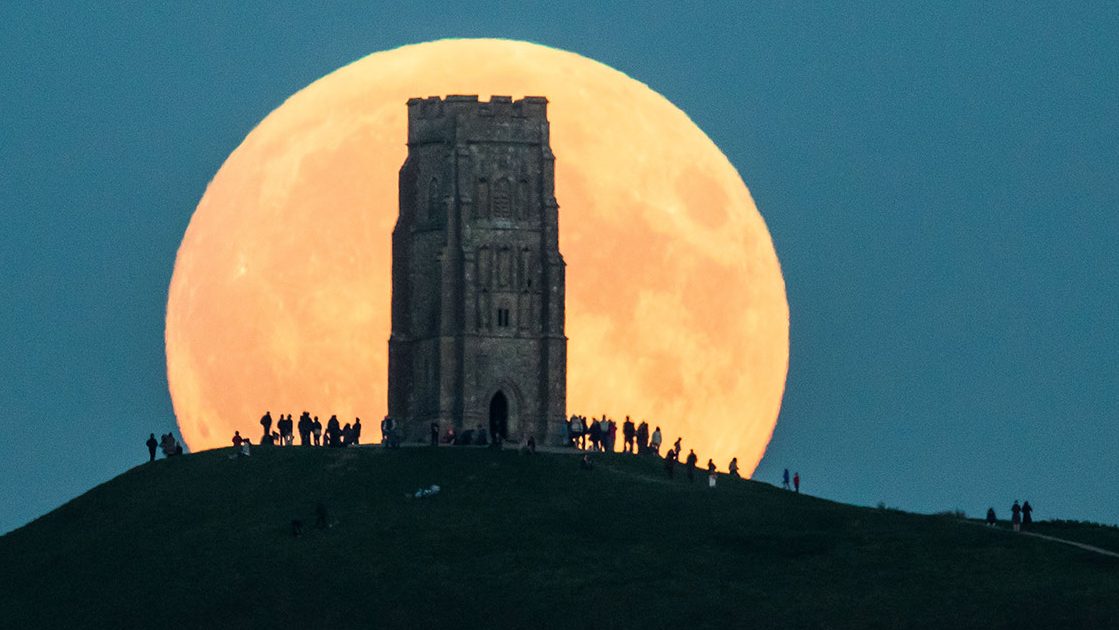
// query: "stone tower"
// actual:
[[477, 277]]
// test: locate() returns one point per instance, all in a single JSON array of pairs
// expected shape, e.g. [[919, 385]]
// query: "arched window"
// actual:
[[502, 204]]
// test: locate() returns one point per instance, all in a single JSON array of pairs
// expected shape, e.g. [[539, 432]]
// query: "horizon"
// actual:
[[937, 181]]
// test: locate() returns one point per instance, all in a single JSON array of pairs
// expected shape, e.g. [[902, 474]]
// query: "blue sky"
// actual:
[[940, 183]]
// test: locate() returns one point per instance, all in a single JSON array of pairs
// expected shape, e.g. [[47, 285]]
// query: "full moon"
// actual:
[[676, 306]]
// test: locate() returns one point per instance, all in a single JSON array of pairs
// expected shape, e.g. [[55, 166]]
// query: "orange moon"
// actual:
[[676, 306]]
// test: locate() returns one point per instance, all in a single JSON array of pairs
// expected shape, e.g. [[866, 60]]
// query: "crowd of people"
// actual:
[[1021, 515], [167, 443], [600, 435], [588, 434], [310, 429]]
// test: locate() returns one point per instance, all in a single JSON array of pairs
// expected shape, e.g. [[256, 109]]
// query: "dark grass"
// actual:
[[517, 541]]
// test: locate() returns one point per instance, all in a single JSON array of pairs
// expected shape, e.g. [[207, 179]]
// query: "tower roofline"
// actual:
[[435, 107]]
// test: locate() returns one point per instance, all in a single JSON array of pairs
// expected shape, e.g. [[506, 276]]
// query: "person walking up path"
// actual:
[[785, 479], [1016, 516], [1027, 514]]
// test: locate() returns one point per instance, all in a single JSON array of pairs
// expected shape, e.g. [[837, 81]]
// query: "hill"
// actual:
[[517, 541]]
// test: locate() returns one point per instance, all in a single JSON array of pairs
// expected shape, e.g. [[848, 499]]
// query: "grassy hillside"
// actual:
[[516, 541]]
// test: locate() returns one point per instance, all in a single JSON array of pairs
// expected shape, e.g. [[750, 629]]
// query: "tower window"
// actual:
[[503, 317]]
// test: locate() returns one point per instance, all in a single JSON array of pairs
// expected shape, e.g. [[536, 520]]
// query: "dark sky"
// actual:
[[941, 183]]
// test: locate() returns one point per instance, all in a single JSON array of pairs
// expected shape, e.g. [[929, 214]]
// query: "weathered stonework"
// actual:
[[477, 277]]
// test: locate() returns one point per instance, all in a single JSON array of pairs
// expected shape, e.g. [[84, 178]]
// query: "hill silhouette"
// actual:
[[518, 541]]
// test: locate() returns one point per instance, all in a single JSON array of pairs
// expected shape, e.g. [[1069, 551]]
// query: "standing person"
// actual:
[[333, 432], [152, 444], [611, 435], [357, 431], [266, 422], [1027, 514], [237, 439], [796, 482], [1016, 516], [692, 459], [643, 437], [991, 519], [577, 431], [655, 442], [732, 470], [711, 473], [289, 425], [316, 431], [676, 446], [670, 463], [435, 434], [595, 434], [304, 427], [629, 432], [785, 479], [347, 435]]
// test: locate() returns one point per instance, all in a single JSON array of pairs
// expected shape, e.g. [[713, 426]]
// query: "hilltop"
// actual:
[[519, 541]]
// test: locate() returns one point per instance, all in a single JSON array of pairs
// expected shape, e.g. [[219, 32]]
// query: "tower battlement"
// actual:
[[466, 118]]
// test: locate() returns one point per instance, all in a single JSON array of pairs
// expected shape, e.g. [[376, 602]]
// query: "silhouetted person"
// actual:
[[611, 435], [785, 479], [991, 519], [595, 432], [1016, 516], [152, 445], [237, 439], [691, 461], [168, 445], [711, 473], [1027, 514], [266, 422], [333, 432], [357, 431], [577, 431], [642, 437], [386, 431], [670, 463], [304, 428], [796, 482], [676, 446], [655, 442], [287, 431], [629, 433], [435, 434], [732, 470], [347, 435], [316, 431]]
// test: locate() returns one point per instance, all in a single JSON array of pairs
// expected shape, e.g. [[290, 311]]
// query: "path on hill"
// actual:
[[1101, 551]]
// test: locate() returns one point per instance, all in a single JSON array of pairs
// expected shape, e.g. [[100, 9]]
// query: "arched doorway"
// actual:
[[499, 417]]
